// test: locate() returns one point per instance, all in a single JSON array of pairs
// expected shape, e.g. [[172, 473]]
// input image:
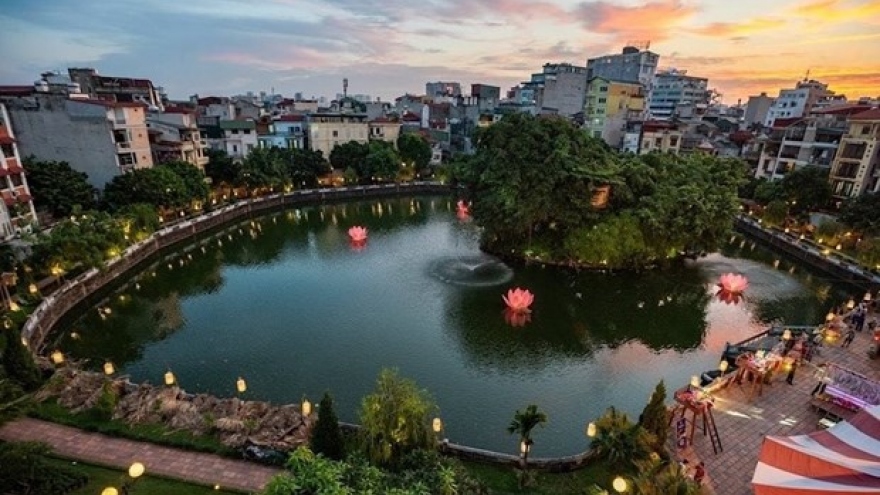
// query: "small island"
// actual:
[[542, 189]]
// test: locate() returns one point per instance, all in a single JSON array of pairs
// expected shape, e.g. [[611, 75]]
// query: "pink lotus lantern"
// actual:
[[357, 234], [516, 318], [462, 206], [463, 211], [733, 283], [518, 300], [729, 297]]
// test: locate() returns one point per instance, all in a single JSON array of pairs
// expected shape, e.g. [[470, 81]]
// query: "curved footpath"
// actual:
[[193, 467]]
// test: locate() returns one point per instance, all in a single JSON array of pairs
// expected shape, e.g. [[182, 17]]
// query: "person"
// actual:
[[821, 375], [700, 472], [848, 339], [789, 379], [859, 319], [684, 465]]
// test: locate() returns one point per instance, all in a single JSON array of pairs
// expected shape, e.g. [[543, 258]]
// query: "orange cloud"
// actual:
[[738, 29], [841, 10], [740, 82], [653, 21]]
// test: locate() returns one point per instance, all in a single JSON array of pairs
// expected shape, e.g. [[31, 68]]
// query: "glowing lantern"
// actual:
[[306, 407], [57, 357], [108, 368], [519, 300], [867, 297], [357, 234], [733, 283], [32, 288], [136, 470], [109, 491], [723, 365], [850, 304], [524, 447], [13, 306], [619, 484], [169, 378], [786, 335], [829, 316], [695, 381], [437, 425], [591, 430], [241, 385]]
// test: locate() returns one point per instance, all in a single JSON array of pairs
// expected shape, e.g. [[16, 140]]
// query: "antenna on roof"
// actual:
[[807, 76]]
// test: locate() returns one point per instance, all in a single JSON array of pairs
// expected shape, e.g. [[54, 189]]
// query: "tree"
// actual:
[[807, 189], [57, 187], [193, 179], [414, 150], [862, 213], [776, 212], [658, 477], [618, 441], [655, 417], [326, 435], [222, 169], [158, 186], [305, 166], [382, 163], [350, 155], [396, 418], [18, 362], [26, 469], [85, 240], [523, 423], [264, 167], [767, 191]]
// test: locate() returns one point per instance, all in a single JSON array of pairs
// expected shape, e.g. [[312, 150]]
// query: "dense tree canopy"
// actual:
[[349, 155], [862, 213], [414, 150], [532, 182], [193, 178], [382, 163], [803, 189], [159, 186], [57, 187], [222, 169]]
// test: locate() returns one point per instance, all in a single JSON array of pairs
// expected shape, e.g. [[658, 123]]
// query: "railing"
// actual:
[[73, 292]]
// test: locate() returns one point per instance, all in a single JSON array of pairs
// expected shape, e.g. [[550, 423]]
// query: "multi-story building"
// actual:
[[239, 137], [560, 89], [175, 136], [384, 129], [120, 89], [486, 92], [285, 131], [856, 166], [440, 88], [610, 105], [326, 130], [634, 64], [101, 138], [797, 102], [757, 109], [216, 106], [801, 142], [17, 211], [674, 93], [660, 136]]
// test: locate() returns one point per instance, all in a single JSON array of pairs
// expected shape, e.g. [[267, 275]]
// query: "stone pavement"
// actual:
[[94, 448], [782, 410]]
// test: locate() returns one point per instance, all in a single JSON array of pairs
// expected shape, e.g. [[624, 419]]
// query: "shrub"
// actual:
[[618, 441], [655, 417], [19, 363], [326, 435], [25, 470]]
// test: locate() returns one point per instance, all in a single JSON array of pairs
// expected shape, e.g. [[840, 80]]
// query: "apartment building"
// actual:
[[660, 136], [384, 129], [285, 131], [609, 106], [633, 64], [326, 130], [559, 89], [856, 166], [442, 88], [798, 101], [101, 138], [17, 213], [239, 137], [676, 94], [175, 136], [118, 89], [757, 109]]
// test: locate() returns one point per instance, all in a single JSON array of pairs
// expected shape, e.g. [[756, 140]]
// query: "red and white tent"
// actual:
[[842, 460]]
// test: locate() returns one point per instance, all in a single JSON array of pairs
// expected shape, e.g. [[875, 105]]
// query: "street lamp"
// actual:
[[722, 366]]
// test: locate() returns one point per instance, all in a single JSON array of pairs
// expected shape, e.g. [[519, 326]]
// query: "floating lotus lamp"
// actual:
[[732, 282], [518, 300], [357, 234], [517, 318], [729, 297]]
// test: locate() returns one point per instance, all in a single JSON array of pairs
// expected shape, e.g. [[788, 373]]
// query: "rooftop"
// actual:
[[229, 125], [872, 114]]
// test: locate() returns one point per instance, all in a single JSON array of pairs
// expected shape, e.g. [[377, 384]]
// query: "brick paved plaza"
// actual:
[[781, 410]]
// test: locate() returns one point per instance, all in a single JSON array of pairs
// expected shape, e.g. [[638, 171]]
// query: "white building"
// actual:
[[674, 93], [797, 102], [17, 209], [285, 131], [239, 137]]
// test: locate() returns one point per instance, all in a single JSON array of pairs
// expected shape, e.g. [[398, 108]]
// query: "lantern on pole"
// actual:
[[619, 484], [695, 381], [109, 369], [241, 385], [437, 425], [786, 335], [170, 379], [306, 407], [723, 365], [830, 316], [867, 297], [591, 429], [851, 303]]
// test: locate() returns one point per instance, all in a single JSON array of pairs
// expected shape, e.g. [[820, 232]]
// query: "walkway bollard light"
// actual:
[[591, 429], [619, 484], [170, 379], [136, 470], [306, 407], [57, 358], [786, 335], [110, 491], [437, 425], [32, 288], [723, 365], [830, 316], [695, 381], [109, 369], [241, 385], [851, 303]]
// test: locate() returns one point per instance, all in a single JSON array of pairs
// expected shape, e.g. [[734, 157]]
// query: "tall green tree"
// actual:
[[305, 166], [396, 418], [351, 154], [807, 189], [264, 167], [523, 423], [222, 169], [414, 150], [193, 179], [159, 186], [655, 417], [326, 435], [57, 187], [382, 162], [862, 213], [85, 240]]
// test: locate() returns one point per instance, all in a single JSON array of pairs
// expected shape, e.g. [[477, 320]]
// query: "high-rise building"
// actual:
[[440, 88], [17, 210], [486, 92], [121, 89], [559, 89], [633, 64], [857, 161], [797, 102], [674, 93]]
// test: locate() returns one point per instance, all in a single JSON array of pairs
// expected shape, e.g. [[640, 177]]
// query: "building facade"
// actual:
[[856, 165], [632, 65], [239, 137], [441, 88], [17, 214], [327, 130], [175, 136], [674, 93], [118, 89], [609, 106], [560, 89], [384, 129], [285, 131], [757, 109], [98, 137], [660, 137], [797, 102]]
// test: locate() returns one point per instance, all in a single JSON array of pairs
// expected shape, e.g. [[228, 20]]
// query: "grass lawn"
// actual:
[[503, 480], [100, 478]]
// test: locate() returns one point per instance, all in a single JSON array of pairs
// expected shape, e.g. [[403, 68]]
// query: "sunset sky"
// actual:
[[388, 47]]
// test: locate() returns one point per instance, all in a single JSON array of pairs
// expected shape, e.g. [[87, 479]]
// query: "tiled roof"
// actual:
[[383, 120], [872, 114], [183, 110], [783, 123], [844, 109]]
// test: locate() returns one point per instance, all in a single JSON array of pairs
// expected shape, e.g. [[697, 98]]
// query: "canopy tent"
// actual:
[[842, 460]]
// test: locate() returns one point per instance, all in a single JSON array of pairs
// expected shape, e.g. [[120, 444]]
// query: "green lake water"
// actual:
[[287, 303]]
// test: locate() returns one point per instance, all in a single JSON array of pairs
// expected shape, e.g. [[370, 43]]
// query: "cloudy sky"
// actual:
[[388, 47]]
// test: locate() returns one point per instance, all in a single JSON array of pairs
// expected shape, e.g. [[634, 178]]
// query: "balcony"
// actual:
[[11, 167], [123, 146]]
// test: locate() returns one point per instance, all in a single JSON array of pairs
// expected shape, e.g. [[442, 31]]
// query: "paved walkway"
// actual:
[[782, 410], [194, 467]]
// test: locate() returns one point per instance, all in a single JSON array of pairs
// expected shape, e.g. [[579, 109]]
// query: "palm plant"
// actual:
[[523, 423], [618, 440], [657, 477]]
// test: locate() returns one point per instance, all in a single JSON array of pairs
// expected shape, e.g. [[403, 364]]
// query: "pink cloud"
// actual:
[[289, 58], [652, 21]]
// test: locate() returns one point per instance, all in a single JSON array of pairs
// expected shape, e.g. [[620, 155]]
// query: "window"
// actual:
[[603, 89], [335, 133], [658, 142], [673, 141], [250, 148], [235, 131], [602, 100], [866, 129], [235, 148], [247, 131]]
